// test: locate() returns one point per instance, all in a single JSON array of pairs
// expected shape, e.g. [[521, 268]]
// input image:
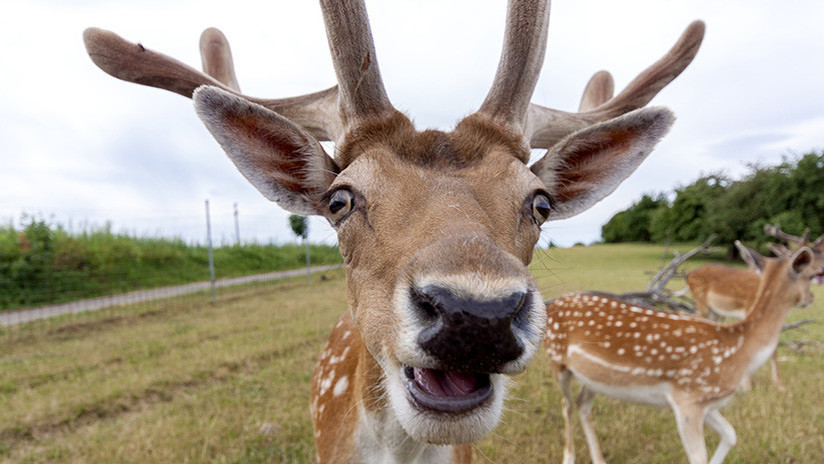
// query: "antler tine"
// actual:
[[780, 250], [316, 112], [776, 232], [521, 60], [134, 63], [546, 126], [216, 56], [362, 95], [599, 89]]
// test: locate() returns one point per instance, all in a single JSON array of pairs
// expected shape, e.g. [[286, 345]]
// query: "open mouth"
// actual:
[[447, 391]]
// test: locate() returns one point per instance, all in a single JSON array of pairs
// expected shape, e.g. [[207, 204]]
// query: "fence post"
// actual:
[[211, 254], [237, 226], [308, 261]]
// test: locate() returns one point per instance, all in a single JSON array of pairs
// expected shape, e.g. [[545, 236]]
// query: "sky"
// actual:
[[81, 148]]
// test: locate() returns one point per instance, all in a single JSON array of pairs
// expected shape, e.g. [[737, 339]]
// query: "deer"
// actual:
[[436, 229], [649, 356], [728, 292], [817, 246]]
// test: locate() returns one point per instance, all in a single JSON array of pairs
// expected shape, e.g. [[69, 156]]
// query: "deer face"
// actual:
[[798, 268], [436, 231], [437, 273]]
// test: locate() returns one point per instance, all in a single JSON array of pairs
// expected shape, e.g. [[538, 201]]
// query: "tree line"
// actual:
[[790, 194]]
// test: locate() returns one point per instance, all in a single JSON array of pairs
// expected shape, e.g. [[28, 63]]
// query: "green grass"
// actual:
[[43, 264], [229, 383]]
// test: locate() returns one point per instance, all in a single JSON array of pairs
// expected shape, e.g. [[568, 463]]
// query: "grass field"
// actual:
[[44, 264], [229, 383]]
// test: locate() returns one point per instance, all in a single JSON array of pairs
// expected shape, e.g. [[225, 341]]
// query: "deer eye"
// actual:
[[541, 207], [340, 204]]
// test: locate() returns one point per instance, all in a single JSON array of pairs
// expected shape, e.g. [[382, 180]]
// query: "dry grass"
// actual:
[[230, 382]]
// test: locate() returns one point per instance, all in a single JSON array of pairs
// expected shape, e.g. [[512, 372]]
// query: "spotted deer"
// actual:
[[436, 229], [728, 292], [660, 358], [724, 291]]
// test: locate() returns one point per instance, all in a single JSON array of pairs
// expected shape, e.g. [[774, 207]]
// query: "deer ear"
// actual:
[[801, 260], [589, 164], [285, 163], [753, 259]]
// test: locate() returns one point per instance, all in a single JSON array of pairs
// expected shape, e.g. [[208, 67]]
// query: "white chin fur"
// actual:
[[444, 428]]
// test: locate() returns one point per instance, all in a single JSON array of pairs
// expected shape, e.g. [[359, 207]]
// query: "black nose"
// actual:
[[466, 334]]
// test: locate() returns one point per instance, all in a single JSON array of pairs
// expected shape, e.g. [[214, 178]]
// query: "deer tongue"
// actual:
[[446, 383], [447, 391]]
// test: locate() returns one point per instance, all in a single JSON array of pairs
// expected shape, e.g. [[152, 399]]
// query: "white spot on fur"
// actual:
[[340, 386]]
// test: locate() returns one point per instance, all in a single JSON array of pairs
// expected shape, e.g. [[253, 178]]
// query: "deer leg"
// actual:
[[746, 383], [774, 370], [564, 378], [728, 438], [690, 420], [584, 402]]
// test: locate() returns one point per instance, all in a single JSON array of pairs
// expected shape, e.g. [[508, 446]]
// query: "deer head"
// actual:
[[436, 229], [816, 246]]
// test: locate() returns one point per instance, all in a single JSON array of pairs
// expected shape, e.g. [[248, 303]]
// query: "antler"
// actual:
[[520, 64], [599, 90], [326, 115], [804, 240], [780, 250], [132, 62], [216, 57], [361, 90], [546, 126]]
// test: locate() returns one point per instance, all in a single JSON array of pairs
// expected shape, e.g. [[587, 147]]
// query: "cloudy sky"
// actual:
[[83, 148]]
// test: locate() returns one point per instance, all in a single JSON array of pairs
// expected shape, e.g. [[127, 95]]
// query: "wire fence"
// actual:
[[55, 268]]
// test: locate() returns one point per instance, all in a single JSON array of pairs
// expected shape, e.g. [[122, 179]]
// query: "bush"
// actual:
[[41, 263]]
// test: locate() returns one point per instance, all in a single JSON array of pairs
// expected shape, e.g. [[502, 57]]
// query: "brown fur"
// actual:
[[715, 287], [691, 364], [344, 358], [467, 145]]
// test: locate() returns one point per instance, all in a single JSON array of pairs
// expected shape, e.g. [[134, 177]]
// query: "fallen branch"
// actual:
[[657, 284], [798, 345], [798, 324], [657, 295]]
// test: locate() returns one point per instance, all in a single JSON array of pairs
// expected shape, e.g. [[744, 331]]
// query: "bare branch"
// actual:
[[798, 324], [666, 273]]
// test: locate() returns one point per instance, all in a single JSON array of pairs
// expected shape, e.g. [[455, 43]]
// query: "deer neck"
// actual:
[[359, 424], [761, 327], [380, 436]]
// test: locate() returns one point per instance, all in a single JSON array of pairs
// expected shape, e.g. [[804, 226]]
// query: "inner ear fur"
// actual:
[[282, 160], [801, 260], [589, 164]]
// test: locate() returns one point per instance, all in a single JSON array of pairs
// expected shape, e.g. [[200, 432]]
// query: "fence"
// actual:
[[68, 264]]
